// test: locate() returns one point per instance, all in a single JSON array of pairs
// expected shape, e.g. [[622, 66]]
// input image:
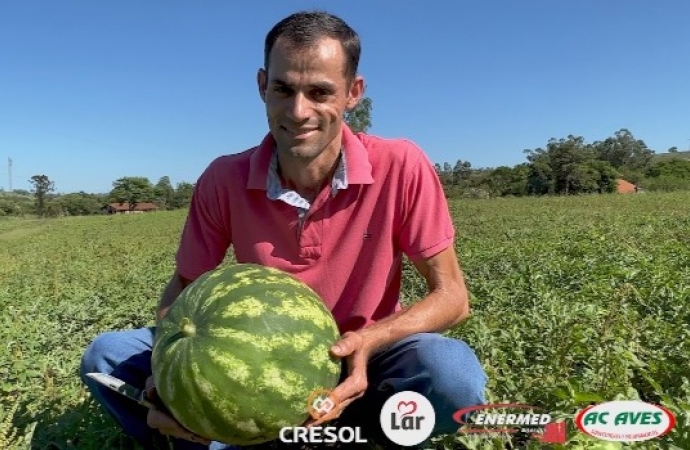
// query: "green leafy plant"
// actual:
[[575, 300]]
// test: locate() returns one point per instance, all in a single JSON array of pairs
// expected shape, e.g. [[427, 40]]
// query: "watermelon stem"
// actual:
[[187, 327]]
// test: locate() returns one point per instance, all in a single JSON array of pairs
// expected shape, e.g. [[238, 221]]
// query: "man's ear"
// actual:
[[262, 82], [356, 92]]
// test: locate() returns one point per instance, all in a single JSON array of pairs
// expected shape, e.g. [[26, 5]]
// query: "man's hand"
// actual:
[[352, 348], [446, 305], [164, 423]]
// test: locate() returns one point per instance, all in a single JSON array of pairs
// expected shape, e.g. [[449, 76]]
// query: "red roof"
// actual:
[[625, 187]]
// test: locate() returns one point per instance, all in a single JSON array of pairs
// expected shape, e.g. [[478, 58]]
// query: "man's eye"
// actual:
[[282, 90], [320, 93]]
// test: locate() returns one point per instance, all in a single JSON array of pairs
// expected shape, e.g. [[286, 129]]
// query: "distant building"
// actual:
[[626, 187], [123, 208]]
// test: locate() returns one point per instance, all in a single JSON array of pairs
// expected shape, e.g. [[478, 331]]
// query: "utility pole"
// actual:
[[9, 170]]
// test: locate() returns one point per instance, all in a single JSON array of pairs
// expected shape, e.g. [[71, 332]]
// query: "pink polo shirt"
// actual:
[[351, 247]]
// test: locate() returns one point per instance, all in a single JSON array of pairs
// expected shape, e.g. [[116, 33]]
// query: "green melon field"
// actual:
[[575, 300]]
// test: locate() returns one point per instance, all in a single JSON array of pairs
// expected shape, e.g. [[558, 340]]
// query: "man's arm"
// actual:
[[446, 305], [172, 290], [206, 235]]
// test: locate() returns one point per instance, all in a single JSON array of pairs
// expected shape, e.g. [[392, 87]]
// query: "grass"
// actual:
[[575, 299]]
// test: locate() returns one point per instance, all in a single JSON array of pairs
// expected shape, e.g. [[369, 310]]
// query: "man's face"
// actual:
[[306, 94]]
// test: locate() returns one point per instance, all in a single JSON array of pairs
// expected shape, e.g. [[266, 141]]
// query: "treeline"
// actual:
[[42, 201], [571, 166], [565, 166], [135, 190]]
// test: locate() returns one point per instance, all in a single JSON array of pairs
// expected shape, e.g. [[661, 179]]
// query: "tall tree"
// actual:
[[359, 117], [540, 179], [506, 180], [437, 168], [461, 170], [132, 190], [622, 150], [565, 156], [183, 194], [80, 204], [594, 176], [569, 166], [164, 192], [42, 187], [668, 175], [674, 168], [447, 174]]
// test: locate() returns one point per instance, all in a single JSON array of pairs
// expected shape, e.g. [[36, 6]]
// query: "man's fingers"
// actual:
[[332, 414], [347, 344], [150, 388], [149, 383], [196, 438], [349, 390], [160, 420], [189, 436], [354, 385], [352, 388], [169, 426], [350, 347]]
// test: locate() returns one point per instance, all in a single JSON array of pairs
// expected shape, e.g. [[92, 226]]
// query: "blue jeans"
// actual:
[[444, 370]]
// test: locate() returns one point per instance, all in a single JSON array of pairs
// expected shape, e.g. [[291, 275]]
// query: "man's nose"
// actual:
[[299, 107]]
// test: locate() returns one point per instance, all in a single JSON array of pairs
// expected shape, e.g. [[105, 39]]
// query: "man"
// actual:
[[338, 211]]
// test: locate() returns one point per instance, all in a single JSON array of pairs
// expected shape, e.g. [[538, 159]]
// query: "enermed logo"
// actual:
[[510, 418], [625, 421], [407, 418]]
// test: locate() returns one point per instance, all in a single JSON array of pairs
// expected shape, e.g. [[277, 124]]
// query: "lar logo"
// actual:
[[407, 418], [625, 421]]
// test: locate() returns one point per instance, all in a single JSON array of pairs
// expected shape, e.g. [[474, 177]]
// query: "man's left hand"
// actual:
[[352, 348]]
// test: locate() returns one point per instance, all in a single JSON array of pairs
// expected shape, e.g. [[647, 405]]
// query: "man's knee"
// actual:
[[456, 378], [97, 353], [110, 349], [454, 370]]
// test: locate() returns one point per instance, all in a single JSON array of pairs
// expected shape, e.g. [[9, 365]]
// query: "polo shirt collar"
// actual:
[[354, 152]]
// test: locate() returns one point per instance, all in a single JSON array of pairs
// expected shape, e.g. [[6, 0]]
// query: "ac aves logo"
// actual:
[[625, 421], [407, 418]]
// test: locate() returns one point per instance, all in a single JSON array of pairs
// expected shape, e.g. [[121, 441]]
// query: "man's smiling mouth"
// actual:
[[300, 133]]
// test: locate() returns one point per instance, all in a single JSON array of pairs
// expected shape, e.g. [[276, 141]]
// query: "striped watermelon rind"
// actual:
[[241, 350]]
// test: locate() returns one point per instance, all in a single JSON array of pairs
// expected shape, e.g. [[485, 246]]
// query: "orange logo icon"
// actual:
[[321, 403]]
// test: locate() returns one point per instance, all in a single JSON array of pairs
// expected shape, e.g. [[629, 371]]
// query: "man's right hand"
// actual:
[[160, 420]]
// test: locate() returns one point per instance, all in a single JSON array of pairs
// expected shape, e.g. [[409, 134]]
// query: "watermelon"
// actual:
[[240, 352]]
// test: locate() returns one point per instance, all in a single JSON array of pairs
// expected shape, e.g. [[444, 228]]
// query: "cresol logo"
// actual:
[[625, 421]]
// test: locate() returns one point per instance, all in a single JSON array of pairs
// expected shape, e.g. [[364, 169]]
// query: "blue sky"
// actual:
[[94, 91]]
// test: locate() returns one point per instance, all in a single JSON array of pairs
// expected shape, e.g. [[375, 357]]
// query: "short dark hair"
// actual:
[[307, 27]]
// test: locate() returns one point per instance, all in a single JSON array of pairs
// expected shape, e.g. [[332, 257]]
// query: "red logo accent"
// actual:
[[554, 433], [407, 408]]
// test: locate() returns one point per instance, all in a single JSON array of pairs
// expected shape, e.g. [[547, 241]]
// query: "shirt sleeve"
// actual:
[[427, 226], [206, 235]]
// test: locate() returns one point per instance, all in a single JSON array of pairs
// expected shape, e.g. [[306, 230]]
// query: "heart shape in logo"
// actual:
[[406, 408]]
